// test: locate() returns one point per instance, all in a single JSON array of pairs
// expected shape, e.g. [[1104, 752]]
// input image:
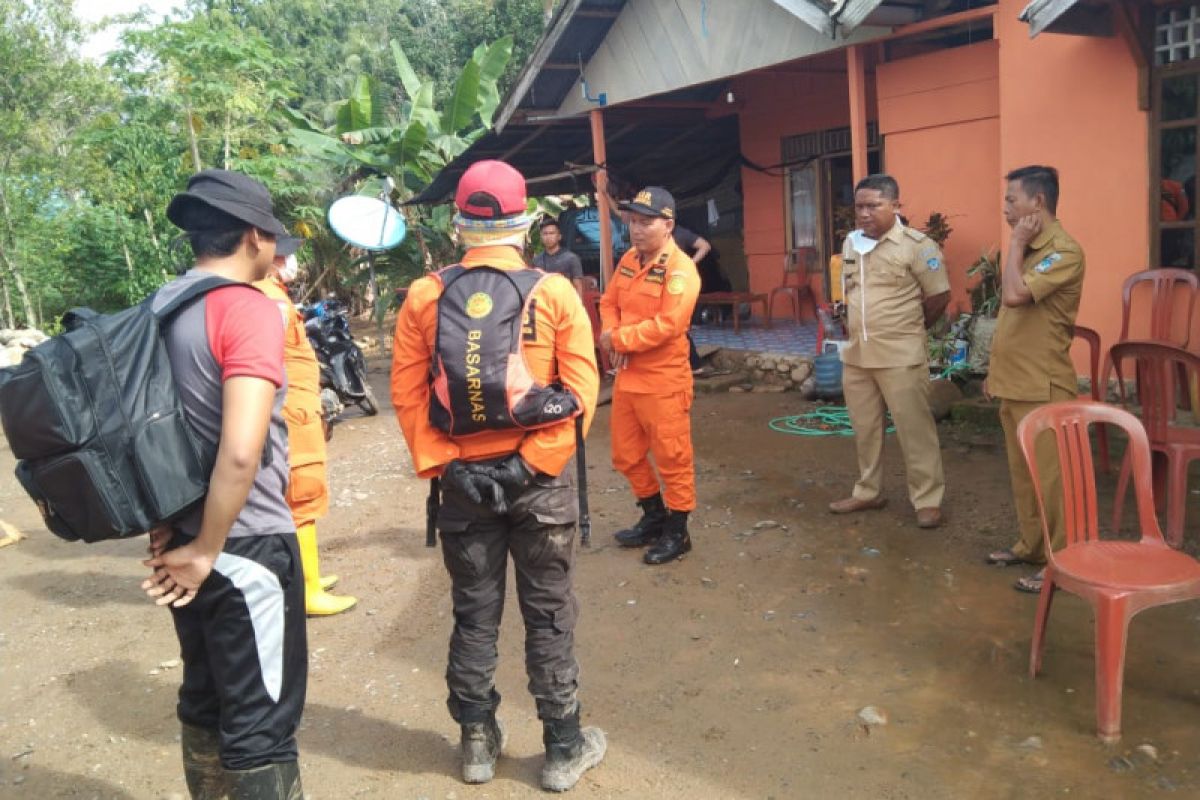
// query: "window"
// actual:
[[1177, 34], [1175, 133]]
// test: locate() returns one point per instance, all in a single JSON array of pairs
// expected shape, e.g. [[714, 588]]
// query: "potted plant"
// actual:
[[985, 305]]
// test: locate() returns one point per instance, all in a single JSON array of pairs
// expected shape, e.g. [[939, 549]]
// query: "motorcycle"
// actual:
[[343, 367]]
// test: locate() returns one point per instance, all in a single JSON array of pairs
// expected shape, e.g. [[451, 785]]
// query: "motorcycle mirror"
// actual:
[[367, 222]]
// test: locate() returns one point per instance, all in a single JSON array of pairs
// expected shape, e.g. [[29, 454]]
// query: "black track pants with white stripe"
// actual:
[[244, 648]]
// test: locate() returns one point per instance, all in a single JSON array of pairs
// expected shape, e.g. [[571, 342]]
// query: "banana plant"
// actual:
[[410, 139], [398, 132]]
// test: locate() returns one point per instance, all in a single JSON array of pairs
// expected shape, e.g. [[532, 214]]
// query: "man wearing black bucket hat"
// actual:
[[231, 570]]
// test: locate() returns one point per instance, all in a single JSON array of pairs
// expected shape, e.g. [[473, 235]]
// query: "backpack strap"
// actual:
[[192, 293]]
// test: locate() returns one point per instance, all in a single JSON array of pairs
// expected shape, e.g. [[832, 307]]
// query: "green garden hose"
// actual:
[[824, 421]]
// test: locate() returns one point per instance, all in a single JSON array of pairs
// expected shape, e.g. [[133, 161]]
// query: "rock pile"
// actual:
[[14, 343], [777, 372]]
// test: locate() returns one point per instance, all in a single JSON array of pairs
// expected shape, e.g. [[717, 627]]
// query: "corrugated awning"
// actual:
[[827, 16], [1083, 17], [686, 154]]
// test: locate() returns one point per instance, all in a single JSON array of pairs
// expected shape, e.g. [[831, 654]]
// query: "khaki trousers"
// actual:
[[1031, 545], [905, 392]]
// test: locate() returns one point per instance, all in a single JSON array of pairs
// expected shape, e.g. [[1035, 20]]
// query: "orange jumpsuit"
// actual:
[[562, 340], [308, 487], [648, 308]]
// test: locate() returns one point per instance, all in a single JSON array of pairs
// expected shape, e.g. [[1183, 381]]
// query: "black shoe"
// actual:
[[673, 543], [570, 752], [480, 747], [649, 527], [202, 763], [279, 781]]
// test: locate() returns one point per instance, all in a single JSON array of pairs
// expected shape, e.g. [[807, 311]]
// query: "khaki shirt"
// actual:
[[1031, 347], [884, 290]]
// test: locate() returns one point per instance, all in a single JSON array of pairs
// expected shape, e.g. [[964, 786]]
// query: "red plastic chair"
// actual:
[[797, 265], [1118, 578], [1092, 339], [1163, 283], [1165, 377]]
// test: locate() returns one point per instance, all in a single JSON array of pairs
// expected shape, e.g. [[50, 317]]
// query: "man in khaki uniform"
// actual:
[[894, 286], [1030, 363]]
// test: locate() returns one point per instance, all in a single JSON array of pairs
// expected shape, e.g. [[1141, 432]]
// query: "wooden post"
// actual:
[[600, 157], [858, 111]]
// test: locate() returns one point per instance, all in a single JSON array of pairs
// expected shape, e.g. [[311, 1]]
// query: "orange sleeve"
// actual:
[[549, 449], [682, 287], [412, 357]]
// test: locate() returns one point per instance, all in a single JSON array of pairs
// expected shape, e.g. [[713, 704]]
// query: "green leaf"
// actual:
[[422, 109], [316, 143], [494, 60], [356, 113], [409, 146], [464, 102], [408, 76], [297, 119]]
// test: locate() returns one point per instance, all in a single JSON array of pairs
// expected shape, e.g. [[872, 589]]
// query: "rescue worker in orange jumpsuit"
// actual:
[[507, 489], [645, 313], [308, 488]]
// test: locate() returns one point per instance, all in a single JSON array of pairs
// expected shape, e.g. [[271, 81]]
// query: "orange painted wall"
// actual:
[[774, 105], [1071, 102], [939, 115]]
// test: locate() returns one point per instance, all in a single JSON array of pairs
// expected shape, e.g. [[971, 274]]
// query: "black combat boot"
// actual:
[[570, 752], [279, 781], [202, 763], [480, 746], [649, 527], [674, 541]]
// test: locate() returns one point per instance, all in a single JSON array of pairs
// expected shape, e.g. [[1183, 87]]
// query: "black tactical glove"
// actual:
[[513, 474], [476, 484]]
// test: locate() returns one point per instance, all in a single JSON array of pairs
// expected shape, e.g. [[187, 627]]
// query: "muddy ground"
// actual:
[[736, 673]]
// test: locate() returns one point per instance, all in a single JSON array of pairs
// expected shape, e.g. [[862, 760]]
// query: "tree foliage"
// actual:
[[309, 96]]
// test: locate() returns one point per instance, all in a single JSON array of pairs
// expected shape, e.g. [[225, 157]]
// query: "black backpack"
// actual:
[[96, 420], [480, 380]]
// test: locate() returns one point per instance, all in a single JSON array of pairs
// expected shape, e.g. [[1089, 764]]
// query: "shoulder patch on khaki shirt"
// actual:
[[1049, 261]]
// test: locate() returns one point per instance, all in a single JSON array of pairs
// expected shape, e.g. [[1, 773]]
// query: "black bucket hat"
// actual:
[[232, 193]]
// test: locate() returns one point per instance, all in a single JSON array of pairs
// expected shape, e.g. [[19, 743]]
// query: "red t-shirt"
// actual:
[[244, 334]]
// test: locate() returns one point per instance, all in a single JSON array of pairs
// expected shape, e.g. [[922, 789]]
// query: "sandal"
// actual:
[[1005, 558], [1031, 583]]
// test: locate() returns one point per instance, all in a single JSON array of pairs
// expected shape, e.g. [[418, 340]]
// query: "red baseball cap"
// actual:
[[490, 190]]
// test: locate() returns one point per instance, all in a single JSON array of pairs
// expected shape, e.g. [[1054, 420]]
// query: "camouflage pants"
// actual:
[[539, 533]]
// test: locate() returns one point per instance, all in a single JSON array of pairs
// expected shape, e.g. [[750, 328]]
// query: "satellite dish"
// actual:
[[367, 222]]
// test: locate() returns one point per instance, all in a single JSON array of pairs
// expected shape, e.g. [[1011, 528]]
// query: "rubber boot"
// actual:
[[649, 527], [328, 581], [674, 542], [202, 763], [480, 746], [570, 752], [273, 782], [317, 602]]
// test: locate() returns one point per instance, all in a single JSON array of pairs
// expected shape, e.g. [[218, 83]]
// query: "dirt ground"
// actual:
[[736, 673]]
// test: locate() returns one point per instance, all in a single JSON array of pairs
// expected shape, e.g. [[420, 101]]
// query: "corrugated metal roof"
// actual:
[[1090, 17], [684, 152], [575, 31], [656, 46]]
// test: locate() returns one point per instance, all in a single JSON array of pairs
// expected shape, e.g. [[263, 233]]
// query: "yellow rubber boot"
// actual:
[[317, 602], [328, 581]]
